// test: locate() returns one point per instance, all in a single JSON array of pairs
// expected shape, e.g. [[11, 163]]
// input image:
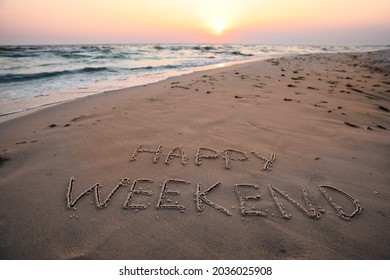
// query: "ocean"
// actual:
[[35, 76]]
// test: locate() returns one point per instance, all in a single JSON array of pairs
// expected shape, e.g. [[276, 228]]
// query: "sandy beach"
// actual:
[[286, 158]]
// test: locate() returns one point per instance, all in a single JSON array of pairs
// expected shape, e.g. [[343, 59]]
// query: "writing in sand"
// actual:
[[169, 188]]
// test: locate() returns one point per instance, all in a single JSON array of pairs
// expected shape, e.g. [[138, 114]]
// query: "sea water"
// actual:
[[34, 76]]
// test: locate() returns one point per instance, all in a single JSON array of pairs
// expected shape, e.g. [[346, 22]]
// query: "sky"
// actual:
[[325, 22]]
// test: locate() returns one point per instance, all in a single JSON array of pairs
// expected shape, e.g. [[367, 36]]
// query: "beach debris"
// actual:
[[268, 162], [360, 91], [79, 118], [298, 78], [182, 87], [274, 61], [139, 149], [3, 157], [52, 125], [338, 208], [351, 124], [381, 127]]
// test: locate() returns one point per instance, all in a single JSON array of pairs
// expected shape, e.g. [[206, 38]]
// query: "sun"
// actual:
[[219, 27]]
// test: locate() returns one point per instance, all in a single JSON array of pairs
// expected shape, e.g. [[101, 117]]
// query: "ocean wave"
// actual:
[[168, 47], [16, 78], [73, 55], [204, 48], [17, 48], [16, 52], [241, 54], [226, 50], [22, 51], [112, 56], [157, 68]]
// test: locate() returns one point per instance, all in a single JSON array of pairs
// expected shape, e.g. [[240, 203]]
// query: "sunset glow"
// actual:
[[219, 27], [198, 21]]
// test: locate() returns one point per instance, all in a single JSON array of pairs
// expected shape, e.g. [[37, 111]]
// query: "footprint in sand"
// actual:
[[3, 157]]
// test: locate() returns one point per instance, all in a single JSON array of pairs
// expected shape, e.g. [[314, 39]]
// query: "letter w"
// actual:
[[71, 204]]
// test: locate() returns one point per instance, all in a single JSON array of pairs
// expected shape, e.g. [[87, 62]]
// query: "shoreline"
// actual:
[[11, 115], [207, 165], [90, 83]]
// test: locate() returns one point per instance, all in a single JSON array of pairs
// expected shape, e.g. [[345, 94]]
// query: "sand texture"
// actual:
[[286, 158]]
